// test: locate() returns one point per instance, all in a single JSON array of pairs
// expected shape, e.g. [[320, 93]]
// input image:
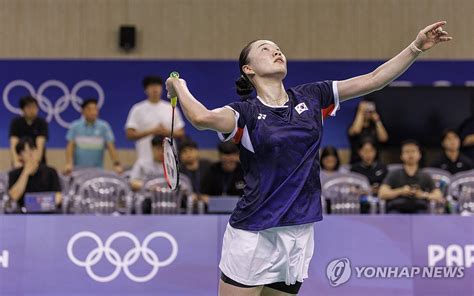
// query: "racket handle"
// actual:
[[174, 100]]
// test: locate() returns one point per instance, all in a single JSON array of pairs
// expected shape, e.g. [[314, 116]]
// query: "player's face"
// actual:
[[411, 154], [90, 112], [367, 153], [451, 142], [266, 59], [158, 154], [30, 111], [154, 91], [189, 155]]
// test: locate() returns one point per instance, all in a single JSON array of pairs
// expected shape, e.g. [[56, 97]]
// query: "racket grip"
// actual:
[[174, 100]]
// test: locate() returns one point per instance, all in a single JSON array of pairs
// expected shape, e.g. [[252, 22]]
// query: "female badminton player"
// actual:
[[268, 243]]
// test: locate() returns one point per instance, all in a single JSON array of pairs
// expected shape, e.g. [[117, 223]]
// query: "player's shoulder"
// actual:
[[248, 103], [311, 87]]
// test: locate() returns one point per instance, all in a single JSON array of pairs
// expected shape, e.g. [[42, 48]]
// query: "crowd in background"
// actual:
[[89, 137], [405, 190]]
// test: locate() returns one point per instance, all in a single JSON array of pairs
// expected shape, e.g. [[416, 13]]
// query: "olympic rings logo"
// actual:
[[114, 257], [46, 105]]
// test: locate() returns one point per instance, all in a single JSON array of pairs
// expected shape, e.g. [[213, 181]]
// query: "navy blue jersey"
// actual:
[[279, 152]]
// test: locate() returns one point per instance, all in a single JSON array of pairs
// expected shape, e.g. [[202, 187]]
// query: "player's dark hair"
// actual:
[[330, 151], [243, 85], [149, 80], [21, 145], [88, 101], [27, 100]]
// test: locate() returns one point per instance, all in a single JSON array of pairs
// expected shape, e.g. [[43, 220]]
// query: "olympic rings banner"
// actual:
[[166, 255], [60, 86]]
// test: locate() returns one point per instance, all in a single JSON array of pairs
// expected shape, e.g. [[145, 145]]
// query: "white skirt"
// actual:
[[279, 254]]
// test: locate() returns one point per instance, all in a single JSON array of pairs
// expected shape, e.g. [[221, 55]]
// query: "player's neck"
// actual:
[[271, 91]]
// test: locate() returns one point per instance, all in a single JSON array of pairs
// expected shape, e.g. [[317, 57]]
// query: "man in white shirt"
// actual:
[[151, 117]]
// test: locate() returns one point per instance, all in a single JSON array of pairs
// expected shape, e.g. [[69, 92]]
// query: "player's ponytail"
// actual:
[[243, 87], [243, 84]]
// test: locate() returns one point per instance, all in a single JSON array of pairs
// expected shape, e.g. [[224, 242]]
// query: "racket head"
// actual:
[[170, 163]]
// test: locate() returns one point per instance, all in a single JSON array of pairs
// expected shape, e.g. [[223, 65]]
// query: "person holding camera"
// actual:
[[409, 190], [366, 126]]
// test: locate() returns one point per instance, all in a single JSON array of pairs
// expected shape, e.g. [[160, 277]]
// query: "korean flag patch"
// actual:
[[301, 107]]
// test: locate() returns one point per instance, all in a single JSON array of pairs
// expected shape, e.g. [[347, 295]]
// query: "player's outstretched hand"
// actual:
[[171, 83], [431, 35]]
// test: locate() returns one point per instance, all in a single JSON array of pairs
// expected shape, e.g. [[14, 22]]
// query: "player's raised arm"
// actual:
[[390, 70], [221, 119]]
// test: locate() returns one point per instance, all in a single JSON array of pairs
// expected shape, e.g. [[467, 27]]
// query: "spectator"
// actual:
[[224, 177], [466, 133], [144, 170], [366, 125], [151, 117], [451, 159], [330, 162], [88, 138], [31, 126], [191, 165], [369, 166], [408, 190], [32, 176]]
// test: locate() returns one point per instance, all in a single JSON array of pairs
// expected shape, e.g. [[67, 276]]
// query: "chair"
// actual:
[[162, 199], [442, 179], [3, 192], [103, 195], [344, 190], [394, 166], [461, 193], [73, 182]]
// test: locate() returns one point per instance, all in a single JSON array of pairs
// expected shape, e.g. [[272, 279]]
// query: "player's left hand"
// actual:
[[431, 35]]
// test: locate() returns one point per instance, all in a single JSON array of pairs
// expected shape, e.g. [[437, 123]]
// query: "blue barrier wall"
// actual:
[[165, 255], [62, 82]]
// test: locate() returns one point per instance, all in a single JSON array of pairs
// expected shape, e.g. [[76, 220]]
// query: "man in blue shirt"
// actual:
[[88, 137]]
